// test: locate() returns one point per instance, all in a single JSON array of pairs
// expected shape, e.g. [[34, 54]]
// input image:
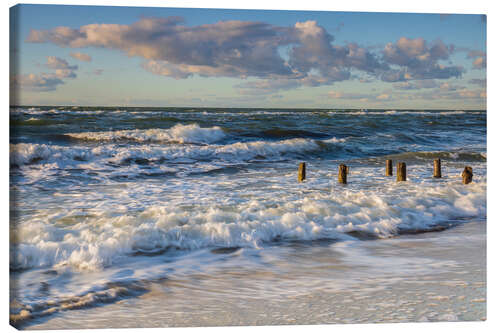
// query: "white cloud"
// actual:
[[58, 63], [479, 58], [36, 82], [353, 96], [479, 62], [45, 81], [383, 97], [419, 59], [81, 56]]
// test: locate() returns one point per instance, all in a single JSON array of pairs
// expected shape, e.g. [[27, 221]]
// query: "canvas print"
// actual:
[[214, 167]]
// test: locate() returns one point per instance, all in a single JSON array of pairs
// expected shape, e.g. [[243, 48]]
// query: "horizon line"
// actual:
[[248, 108]]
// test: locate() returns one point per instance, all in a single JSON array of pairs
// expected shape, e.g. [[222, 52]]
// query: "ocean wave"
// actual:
[[29, 153], [105, 238], [404, 112], [25, 154], [283, 133], [465, 156], [58, 111], [233, 113], [178, 134], [106, 156], [36, 122]]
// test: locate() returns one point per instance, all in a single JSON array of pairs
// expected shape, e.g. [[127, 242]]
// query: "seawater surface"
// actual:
[[108, 202]]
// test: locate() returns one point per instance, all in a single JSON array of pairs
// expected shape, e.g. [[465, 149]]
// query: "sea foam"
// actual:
[[104, 237], [25, 153], [179, 133]]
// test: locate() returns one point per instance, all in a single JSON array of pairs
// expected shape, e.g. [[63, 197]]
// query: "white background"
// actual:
[[421, 6]]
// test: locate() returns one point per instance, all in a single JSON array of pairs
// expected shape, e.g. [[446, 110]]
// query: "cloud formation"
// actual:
[[81, 56], [263, 87], [36, 82], [335, 94], [45, 81], [225, 49], [281, 58], [479, 59], [416, 84], [450, 94], [58, 63], [62, 68], [418, 59]]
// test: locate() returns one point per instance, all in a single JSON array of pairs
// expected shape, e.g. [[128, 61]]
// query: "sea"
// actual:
[[144, 217]]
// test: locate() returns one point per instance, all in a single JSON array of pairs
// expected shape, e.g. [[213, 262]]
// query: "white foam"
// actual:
[[179, 133], [22, 153], [26, 153], [107, 236]]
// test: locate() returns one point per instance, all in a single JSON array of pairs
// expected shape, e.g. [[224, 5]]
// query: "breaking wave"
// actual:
[[26, 153], [104, 238], [178, 134]]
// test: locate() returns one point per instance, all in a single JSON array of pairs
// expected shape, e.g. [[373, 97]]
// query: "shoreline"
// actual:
[[437, 276]]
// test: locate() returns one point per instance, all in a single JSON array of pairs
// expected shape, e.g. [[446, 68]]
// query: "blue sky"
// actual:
[[89, 55]]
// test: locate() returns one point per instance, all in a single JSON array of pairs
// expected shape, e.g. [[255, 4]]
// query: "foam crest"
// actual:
[[29, 153], [179, 134], [24, 154]]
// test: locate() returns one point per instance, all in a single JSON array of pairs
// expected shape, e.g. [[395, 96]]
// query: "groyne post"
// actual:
[[388, 167], [342, 174], [302, 172], [467, 175], [401, 173], [437, 168]]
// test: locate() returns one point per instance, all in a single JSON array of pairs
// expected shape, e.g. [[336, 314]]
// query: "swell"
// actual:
[[27, 154], [280, 133], [150, 155], [177, 134], [465, 156]]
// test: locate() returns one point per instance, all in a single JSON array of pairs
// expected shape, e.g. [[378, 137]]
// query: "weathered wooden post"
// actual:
[[401, 173], [467, 175], [302, 172], [388, 167], [437, 168], [342, 174]]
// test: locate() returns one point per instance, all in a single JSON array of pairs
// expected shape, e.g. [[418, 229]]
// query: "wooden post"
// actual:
[[401, 174], [437, 168], [302, 172], [467, 175], [388, 167], [342, 174]]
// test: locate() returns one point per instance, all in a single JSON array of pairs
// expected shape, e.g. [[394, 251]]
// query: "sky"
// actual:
[[133, 56]]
